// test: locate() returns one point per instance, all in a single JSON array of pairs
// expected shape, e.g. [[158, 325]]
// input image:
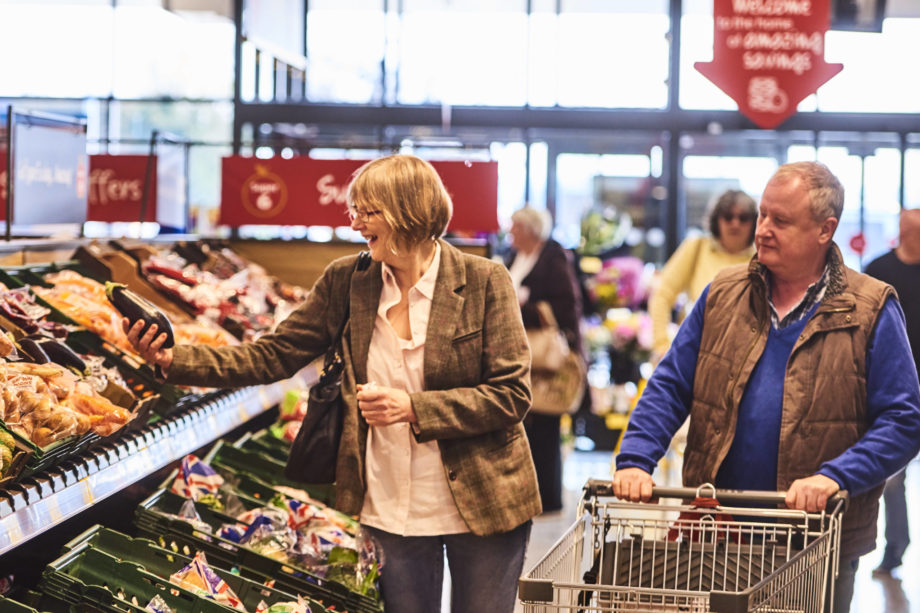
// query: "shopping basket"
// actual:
[[701, 557]]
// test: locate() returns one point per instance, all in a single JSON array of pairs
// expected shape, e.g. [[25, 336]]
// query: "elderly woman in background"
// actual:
[[433, 457], [732, 221], [542, 270]]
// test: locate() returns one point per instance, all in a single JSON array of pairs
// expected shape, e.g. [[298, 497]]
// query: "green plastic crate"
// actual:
[[245, 484], [163, 562], [41, 458], [263, 468], [266, 443], [154, 518], [8, 605], [88, 574]]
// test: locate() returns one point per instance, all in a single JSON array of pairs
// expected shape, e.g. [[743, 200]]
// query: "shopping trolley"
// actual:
[[701, 557]]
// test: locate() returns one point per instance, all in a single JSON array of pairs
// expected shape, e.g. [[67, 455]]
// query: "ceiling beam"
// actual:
[[564, 118]]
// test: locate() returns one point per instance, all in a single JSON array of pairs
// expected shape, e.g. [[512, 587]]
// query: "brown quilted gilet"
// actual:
[[824, 395]]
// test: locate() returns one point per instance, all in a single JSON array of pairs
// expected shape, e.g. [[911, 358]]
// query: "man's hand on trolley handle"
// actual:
[[633, 484], [809, 494]]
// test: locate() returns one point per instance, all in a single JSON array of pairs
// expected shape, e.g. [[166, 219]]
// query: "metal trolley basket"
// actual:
[[699, 557]]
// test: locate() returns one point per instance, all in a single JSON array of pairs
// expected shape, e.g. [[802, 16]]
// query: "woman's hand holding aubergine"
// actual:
[[148, 343], [153, 343]]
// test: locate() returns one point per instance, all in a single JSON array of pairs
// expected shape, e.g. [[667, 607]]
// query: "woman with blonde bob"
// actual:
[[433, 456]]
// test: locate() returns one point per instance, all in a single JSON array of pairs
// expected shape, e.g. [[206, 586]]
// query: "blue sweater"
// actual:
[[893, 408]]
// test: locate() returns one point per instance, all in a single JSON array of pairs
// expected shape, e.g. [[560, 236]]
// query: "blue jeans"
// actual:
[[897, 533], [484, 570]]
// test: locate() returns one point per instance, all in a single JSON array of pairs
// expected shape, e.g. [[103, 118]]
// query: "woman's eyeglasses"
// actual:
[[364, 216], [742, 217]]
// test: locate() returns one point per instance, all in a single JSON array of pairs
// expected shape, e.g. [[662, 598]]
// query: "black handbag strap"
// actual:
[[333, 357]]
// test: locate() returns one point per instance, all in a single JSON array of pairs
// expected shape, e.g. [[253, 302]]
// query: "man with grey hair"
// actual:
[[796, 373]]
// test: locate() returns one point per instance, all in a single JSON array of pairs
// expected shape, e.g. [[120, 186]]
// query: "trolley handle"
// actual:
[[601, 487]]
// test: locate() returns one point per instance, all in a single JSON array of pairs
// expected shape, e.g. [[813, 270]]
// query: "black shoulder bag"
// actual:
[[315, 451]]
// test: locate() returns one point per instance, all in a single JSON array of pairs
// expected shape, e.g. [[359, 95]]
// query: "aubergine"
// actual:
[[134, 307], [59, 353], [33, 351]]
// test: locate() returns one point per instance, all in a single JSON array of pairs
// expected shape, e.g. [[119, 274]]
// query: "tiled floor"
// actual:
[[900, 594]]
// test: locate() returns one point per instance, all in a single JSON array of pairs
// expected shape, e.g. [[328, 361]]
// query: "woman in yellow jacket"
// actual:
[[732, 220]]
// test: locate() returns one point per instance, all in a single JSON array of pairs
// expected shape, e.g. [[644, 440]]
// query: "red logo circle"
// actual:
[[858, 243]]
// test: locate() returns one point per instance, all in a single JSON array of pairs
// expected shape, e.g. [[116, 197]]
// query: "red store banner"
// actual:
[[768, 55], [309, 192], [116, 188]]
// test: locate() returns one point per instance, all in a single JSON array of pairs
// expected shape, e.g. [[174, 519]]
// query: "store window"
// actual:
[[205, 127], [69, 55], [512, 171], [871, 186], [165, 53], [861, 87], [463, 52], [609, 54], [706, 177], [345, 47], [881, 202], [912, 179], [92, 49], [539, 158], [696, 91], [198, 121], [469, 52], [607, 193]]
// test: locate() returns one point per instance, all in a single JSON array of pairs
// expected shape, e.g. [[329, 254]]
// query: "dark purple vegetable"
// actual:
[[59, 353], [134, 307], [33, 351]]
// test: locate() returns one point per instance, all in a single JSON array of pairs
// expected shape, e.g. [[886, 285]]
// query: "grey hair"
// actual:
[[825, 192], [537, 221]]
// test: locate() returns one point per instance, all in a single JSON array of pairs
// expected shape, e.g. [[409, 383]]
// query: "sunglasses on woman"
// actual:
[[742, 217]]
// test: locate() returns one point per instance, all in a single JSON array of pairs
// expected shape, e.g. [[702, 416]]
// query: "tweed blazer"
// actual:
[[476, 370]]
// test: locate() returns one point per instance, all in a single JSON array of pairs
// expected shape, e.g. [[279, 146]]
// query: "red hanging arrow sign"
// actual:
[[768, 55]]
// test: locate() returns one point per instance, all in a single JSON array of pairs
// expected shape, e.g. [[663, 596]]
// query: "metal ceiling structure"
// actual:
[[293, 121]]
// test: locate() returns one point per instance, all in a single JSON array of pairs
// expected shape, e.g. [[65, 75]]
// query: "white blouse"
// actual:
[[407, 491]]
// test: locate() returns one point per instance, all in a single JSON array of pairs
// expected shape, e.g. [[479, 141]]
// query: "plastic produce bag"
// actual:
[[197, 480], [188, 513], [200, 579], [158, 605], [300, 606]]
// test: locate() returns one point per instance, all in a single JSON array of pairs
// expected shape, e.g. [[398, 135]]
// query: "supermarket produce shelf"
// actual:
[[39, 502]]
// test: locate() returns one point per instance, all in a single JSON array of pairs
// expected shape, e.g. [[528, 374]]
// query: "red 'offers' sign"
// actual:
[[309, 192], [768, 55], [116, 188]]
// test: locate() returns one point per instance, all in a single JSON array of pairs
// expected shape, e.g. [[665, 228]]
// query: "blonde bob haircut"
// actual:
[[409, 195]]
